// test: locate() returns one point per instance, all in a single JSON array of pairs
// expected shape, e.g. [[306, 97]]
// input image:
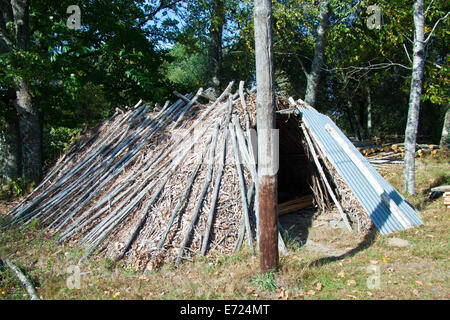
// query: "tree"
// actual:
[[265, 114], [213, 31], [13, 151], [419, 58], [215, 46], [445, 137], [64, 77], [313, 76], [415, 97]]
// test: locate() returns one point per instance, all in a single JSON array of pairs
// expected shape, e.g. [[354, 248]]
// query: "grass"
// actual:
[[370, 269], [266, 281]]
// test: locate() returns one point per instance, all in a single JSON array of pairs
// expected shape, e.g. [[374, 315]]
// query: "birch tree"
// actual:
[[445, 137], [414, 98], [313, 77]]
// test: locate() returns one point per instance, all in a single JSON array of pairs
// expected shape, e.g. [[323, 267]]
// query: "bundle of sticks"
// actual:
[[156, 186]]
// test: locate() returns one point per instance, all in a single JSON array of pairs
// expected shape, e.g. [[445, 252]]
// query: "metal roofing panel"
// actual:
[[384, 220]]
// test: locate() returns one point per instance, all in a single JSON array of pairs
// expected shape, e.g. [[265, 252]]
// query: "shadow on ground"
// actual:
[[297, 227]]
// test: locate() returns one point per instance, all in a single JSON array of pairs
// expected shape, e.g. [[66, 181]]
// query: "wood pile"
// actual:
[[447, 199], [381, 156], [438, 191], [295, 205], [147, 185]]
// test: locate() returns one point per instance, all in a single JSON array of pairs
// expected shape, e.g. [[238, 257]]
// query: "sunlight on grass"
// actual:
[[417, 271]]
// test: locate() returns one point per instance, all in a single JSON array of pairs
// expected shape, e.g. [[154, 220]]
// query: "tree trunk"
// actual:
[[29, 132], [13, 149], [414, 99], [215, 49], [369, 113], [27, 111], [267, 144], [445, 137], [361, 118], [313, 77]]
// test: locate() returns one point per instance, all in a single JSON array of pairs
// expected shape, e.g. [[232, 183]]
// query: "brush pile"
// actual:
[[155, 185]]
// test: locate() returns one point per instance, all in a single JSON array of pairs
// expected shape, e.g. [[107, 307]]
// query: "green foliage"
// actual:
[[13, 189], [194, 43], [57, 140], [33, 224], [80, 76], [187, 71], [129, 50]]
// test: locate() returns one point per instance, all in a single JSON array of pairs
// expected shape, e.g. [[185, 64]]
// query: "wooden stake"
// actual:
[[324, 178], [242, 188], [182, 200], [215, 195], [201, 197], [241, 233]]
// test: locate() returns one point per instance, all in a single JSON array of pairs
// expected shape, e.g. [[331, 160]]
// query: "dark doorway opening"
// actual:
[[293, 180]]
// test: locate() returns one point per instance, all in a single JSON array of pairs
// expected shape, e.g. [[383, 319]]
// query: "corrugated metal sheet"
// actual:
[[384, 220]]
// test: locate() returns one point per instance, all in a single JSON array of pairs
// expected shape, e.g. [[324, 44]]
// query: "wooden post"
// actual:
[[265, 122]]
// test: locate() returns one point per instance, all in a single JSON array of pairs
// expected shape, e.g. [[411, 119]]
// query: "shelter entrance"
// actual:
[[294, 191], [293, 172]]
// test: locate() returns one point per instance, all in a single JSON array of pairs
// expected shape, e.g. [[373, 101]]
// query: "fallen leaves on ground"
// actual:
[[251, 292], [300, 295], [282, 294], [311, 292]]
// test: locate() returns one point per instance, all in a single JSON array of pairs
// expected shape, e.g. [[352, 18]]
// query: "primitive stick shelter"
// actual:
[[150, 186]]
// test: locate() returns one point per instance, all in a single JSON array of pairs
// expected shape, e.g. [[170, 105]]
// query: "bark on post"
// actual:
[[414, 98], [445, 137], [313, 77], [267, 146]]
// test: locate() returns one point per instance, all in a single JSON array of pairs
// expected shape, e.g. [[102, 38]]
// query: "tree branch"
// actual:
[[162, 5], [407, 38], [407, 53], [376, 66], [429, 6]]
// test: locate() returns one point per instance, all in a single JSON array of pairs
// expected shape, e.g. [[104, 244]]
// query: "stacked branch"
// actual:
[[150, 187], [137, 187]]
